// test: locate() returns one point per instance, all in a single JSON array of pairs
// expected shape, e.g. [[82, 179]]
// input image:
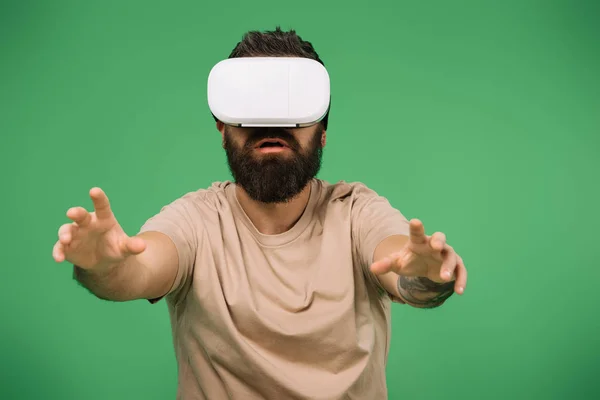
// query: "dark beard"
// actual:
[[273, 178]]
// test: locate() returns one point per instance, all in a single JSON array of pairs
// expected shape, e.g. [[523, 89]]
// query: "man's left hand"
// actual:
[[425, 256]]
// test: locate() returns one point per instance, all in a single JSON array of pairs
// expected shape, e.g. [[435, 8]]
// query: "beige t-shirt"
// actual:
[[291, 316]]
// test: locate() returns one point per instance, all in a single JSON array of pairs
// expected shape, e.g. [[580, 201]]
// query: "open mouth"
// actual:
[[274, 143]]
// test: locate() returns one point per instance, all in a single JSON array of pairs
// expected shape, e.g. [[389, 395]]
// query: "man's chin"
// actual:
[[272, 176], [274, 185], [272, 195]]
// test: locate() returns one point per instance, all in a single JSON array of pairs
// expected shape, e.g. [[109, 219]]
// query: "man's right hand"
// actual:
[[94, 240]]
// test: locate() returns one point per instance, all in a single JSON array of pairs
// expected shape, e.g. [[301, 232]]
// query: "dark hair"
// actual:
[[276, 43]]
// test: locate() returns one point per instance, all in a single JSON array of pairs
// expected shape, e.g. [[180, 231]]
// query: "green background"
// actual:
[[480, 118]]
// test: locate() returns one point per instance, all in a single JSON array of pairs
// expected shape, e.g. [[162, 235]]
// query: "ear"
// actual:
[[221, 128], [323, 138]]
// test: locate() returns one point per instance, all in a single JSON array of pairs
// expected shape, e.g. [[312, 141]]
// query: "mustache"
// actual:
[[258, 134]]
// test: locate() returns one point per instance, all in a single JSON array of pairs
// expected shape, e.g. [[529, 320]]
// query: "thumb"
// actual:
[[133, 245], [384, 265]]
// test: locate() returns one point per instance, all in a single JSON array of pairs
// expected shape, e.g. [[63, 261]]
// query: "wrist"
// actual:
[[434, 283], [423, 292], [99, 272]]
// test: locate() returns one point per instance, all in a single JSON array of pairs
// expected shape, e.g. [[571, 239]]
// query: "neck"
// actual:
[[273, 219]]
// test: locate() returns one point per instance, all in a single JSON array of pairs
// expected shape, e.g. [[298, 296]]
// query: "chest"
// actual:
[[308, 286], [314, 270], [304, 301]]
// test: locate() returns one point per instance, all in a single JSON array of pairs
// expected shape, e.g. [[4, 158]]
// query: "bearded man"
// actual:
[[279, 285]]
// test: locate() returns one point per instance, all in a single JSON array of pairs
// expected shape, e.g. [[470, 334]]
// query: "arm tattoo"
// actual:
[[422, 292]]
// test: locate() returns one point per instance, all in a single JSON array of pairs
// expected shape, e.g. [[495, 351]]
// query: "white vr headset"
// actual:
[[269, 91]]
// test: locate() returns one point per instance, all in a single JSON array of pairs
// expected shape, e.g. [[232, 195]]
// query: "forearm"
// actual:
[[147, 275], [422, 292], [118, 282]]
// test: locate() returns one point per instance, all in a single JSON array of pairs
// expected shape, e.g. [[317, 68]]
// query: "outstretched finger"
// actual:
[[448, 268], [461, 277], [438, 241], [80, 216], [58, 252], [66, 233], [417, 232], [101, 203]]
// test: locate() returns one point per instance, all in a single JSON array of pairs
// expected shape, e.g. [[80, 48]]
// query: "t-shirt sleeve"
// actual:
[[175, 221], [373, 220]]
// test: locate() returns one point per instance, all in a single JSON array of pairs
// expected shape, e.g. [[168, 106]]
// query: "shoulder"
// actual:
[[346, 192], [362, 203], [212, 198]]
